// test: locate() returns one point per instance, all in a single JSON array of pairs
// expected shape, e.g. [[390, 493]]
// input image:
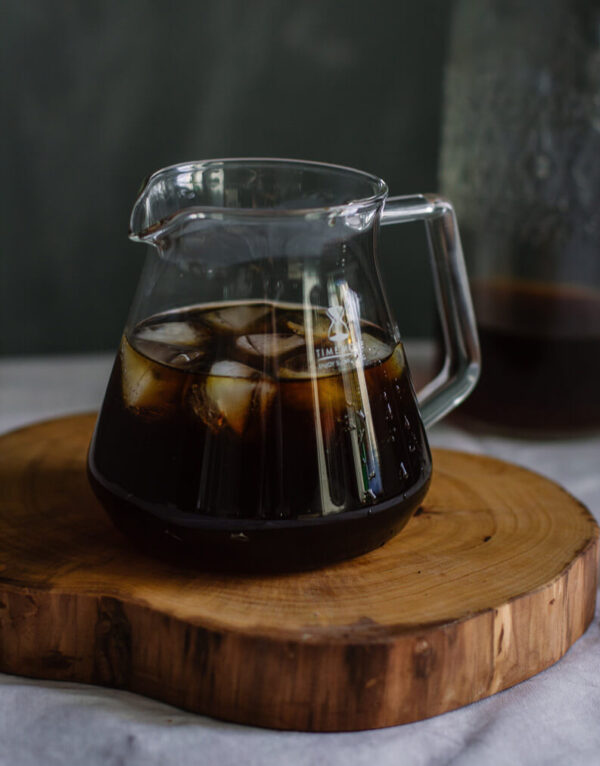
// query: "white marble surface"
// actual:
[[553, 718]]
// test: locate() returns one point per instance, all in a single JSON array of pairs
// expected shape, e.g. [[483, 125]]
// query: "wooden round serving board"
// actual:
[[490, 582]]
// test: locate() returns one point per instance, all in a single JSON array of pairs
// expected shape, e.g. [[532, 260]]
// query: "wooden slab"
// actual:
[[490, 583]]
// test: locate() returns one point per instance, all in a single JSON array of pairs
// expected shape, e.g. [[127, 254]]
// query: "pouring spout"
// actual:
[[151, 210], [170, 196]]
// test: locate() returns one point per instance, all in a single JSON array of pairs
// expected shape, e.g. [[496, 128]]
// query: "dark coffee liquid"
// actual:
[[540, 347], [240, 436]]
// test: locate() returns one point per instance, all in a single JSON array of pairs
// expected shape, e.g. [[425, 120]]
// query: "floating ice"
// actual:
[[269, 345], [320, 325], [235, 318], [147, 387], [173, 333], [373, 349], [187, 359], [232, 395]]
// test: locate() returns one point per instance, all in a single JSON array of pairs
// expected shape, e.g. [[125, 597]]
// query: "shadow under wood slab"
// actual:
[[490, 582]]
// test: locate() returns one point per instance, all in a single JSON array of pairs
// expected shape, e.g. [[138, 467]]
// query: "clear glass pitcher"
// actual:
[[260, 413]]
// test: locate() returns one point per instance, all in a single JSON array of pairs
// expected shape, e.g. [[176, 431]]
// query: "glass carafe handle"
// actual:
[[459, 374]]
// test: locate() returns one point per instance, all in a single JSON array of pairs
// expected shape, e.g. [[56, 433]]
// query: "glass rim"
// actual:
[[379, 188]]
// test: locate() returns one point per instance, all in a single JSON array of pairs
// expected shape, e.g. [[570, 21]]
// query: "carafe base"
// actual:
[[229, 545]]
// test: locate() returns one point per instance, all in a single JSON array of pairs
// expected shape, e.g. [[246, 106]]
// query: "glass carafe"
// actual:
[[260, 414], [519, 159]]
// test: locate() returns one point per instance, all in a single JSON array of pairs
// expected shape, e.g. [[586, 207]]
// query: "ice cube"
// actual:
[[232, 395], [187, 360], [178, 344], [148, 388], [236, 318], [173, 334], [373, 349], [396, 364], [296, 366], [269, 345], [320, 325]]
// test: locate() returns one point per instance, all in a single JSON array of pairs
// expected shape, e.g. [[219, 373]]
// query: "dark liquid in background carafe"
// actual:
[[540, 348], [219, 441]]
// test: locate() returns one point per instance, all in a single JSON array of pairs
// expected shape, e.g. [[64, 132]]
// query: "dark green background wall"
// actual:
[[99, 94]]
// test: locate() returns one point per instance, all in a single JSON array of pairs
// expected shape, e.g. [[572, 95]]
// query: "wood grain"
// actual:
[[488, 584]]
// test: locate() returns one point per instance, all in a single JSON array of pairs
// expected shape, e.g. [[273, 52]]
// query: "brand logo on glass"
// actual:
[[337, 333], [338, 329]]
